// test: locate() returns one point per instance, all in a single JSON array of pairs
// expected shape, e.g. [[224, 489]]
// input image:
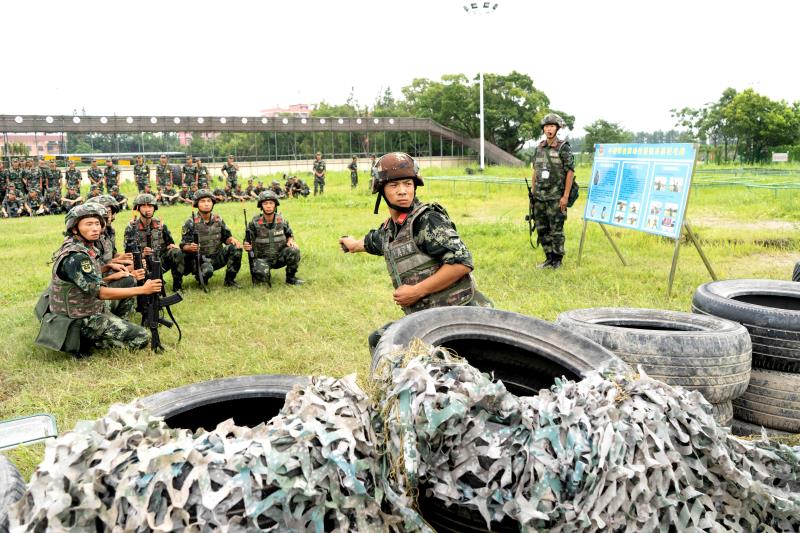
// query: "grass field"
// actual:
[[322, 326]]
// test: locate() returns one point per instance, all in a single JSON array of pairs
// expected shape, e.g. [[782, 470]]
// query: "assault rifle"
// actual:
[[529, 218], [198, 257]]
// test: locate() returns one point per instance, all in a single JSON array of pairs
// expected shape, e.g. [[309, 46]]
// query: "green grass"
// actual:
[[322, 326]]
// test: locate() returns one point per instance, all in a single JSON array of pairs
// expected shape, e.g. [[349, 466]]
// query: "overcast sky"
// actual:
[[624, 61]]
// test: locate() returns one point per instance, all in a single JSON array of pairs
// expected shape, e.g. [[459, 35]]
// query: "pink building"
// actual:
[[39, 144], [295, 110]]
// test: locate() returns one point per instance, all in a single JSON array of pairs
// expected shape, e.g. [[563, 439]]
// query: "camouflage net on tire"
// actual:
[[615, 451]]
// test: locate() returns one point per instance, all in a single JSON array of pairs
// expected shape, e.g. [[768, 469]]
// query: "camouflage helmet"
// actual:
[[396, 166], [106, 200], [89, 209], [267, 195], [115, 188], [145, 199], [203, 193], [552, 118]]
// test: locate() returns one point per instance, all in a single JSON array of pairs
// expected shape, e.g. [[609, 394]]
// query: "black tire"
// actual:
[[723, 413], [769, 309], [702, 353], [741, 428], [249, 400], [11, 488], [772, 400], [526, 353]]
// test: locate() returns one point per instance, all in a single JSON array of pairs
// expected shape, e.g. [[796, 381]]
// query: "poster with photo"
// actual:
[[641, 186]]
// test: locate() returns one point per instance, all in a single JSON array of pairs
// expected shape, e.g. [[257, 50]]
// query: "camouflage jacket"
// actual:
[[229, 170], [74, 178], [141, 172], [112, 176], [163, 174], [12, 208], [319, 168], [95, 175], [189, 174], [5, 178], [353, 169], [53, 178], [551, 164]]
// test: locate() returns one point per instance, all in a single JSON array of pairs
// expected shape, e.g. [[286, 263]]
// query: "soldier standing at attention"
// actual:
[[319, 174], [141, 173], [73, 177], [53, 178], [201, 173], [373, 171], [429, 264], [111, 174], [163, 173], [5, 179], [353, 173], [273, 242], [31, 177], [17, 177], [230, 169], [553, 173], [77, 293], [189, 172], [217, 246], [95, 176]]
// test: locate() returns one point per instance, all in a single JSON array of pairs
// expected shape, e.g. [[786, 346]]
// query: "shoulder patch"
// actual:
[[86, 266]]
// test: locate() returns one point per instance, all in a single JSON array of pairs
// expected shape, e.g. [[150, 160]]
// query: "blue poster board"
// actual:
[[641, 186]]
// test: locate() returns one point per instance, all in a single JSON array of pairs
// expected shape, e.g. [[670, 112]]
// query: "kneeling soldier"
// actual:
[[214, 242], [73, 312], [273, 242]]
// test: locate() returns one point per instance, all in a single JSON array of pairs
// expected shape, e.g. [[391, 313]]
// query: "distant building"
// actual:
[[39, 144], [294, 110]]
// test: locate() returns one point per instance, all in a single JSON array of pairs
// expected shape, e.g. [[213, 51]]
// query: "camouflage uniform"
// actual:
[[230, 175], [112, 177], [319, 181], [353, 174], [121, 199], [53, 179], [33, 178], [106, 247], [74, 179], [169, 196], [5, 179], [53, 200], [551, 164], [95, 177], [72, 316], [202, 177], [270, 248], [163, 176], [71, 196], [157, 237], [189, 175], [17, 178], [215, 253], [13, 208], [34, 206], [141, 174]]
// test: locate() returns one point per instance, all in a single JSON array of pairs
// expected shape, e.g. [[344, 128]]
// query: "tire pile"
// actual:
[[770, 310]]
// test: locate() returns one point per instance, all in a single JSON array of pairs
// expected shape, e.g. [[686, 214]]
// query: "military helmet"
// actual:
[[396, 166], [115, 188], [89, 209], [106, 200], [145, 199], [552, 118], [267, 195], [204, 193]]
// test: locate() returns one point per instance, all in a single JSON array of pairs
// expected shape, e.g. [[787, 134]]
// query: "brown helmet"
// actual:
[[396, 166]]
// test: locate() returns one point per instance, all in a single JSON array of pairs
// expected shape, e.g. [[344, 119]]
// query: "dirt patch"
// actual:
[[729, 223]]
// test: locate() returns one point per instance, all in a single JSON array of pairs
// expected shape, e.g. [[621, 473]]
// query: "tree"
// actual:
[[602, 131], [760, 123]]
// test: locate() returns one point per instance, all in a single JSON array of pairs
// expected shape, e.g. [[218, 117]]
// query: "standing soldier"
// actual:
[[154, 238], [201, 173], [353, 173], [17, 177], [319, 174], [215, 243], [111, 174], [553, 174], [230, 169], [5, 179], [189, 172], [77, 294], [273, 242], [95, 176], [53, 177], [73, 177], [163, 173], [44, 173], [429, 264], [141, 173], [373, 172], [32, 177]]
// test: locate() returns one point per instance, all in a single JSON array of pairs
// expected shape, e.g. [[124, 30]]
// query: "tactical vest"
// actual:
[[209, 235], [156, 234], [66, 298], [408, 265], [107, 245], [547, 160], [269, 240]]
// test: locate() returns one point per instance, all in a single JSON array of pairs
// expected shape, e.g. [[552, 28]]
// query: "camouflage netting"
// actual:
[[613, 451]]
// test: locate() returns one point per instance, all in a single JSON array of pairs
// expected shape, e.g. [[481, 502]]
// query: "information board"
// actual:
[[641, 186]]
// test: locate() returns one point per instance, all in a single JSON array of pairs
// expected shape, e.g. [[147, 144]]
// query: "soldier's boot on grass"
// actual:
[[177, 282], [555, 264], [547, 262], [291, 277]]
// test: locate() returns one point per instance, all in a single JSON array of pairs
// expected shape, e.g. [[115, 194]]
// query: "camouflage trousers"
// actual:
[[478, 300], [233, 182], [122, 308], [353, 180], [549, 226], [288, 257], [229, 256], [106, 330], [319, 184]]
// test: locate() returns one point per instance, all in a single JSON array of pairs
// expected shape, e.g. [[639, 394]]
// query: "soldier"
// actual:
[[122, 200], [53, 177], [95, 176], [220, 195], [52, 200], [5, 179], [32, 177], [319, 174], [230, 169], [553, 173], [77, 294], [141, 173], [17, 177], [238, 195], [353, 173], [34, 207], [71, 199], [373, 171], [273, 242], [276, 188], [258, 189], [201, 173], [169, 196], [13, 207], [163, 173], [217, 246], [154, 238], [44, 174], [189, 172], [429, 264], [111, 174], [250, 190], [94, 190], [185, 195], [73, 177]]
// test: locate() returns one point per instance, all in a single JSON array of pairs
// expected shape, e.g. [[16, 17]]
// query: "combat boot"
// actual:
[[232, 284], [292, 279], [547, 262], [177, 283], [556, 263]]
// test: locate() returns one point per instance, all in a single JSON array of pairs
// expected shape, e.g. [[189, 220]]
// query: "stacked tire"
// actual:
[[702, 353], [770, 310]]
